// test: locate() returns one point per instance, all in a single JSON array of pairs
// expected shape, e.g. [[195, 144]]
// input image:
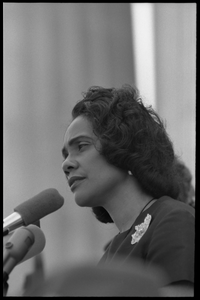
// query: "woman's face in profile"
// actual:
[[92, 179]]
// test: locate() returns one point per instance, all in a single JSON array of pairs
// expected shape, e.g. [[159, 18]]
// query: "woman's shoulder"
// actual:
[[168, 212], [167, 205]]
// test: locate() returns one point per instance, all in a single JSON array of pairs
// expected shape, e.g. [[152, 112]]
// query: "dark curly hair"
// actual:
[[187, 191], [133, 138]]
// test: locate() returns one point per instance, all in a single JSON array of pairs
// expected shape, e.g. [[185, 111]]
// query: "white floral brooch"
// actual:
[[141, 229]]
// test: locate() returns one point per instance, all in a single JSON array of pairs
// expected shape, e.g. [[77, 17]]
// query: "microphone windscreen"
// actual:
[[39, 206]]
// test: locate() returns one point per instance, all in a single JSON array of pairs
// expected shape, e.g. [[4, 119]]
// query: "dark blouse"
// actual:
[[168, 242]]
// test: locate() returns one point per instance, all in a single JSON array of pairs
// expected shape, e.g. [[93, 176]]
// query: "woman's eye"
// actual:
[[80, 146]]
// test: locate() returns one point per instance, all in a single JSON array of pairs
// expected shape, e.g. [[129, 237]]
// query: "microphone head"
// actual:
[[18, 245], [37, 246], [39, 206]]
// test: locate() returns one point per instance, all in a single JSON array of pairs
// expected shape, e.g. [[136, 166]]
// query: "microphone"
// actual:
[[18, 246], [38, 245], [33, 209]]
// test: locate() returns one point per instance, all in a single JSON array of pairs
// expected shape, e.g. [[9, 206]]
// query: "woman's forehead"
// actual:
[[79, 126]]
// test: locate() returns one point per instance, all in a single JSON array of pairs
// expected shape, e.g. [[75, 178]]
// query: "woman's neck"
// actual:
[[126, 205]]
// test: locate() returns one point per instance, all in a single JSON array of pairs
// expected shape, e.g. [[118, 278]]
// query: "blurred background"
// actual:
[[52, 52]]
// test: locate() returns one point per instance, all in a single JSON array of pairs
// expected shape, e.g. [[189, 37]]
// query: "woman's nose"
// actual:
[[68, 165]]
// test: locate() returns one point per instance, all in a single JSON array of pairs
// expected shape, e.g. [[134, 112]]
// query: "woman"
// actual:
[[119, 160]]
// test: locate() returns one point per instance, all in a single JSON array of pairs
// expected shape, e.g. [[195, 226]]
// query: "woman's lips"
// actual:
[[76, 183], [72, 179]]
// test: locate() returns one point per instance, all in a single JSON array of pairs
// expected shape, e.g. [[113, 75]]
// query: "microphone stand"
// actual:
[[5, 231], [5, 283], [5, 275]]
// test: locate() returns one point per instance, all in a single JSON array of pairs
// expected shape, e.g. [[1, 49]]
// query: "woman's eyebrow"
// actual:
[[72, 141]]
